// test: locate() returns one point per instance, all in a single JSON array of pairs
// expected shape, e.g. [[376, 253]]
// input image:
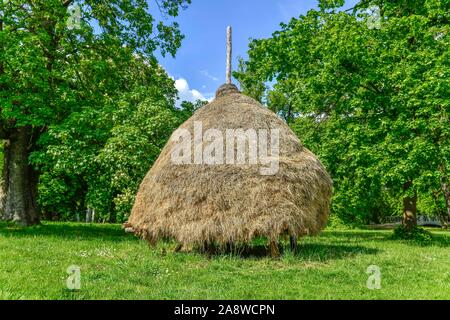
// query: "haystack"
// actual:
[[198, 203]]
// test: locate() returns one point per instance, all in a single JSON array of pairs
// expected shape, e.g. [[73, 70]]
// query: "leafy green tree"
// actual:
[[188, 108], [98, 155], [97, 158], [52, 72], [372, 102]]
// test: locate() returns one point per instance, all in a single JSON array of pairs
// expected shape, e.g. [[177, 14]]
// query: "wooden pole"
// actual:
[[274, 251], [293, 242], [229, 54]]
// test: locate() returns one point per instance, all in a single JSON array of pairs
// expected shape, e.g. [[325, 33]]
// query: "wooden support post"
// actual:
[[229, 54], [293, 242], [274, 251]]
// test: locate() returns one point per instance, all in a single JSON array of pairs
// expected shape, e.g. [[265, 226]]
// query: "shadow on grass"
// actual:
[[68, 231], [319, 252], [364, 235], [438, 239], [326, 252], [441, 240]]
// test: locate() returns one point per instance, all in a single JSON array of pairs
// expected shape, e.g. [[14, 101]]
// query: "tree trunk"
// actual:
[[18, 186], [2, 66], [446, 191], [273, 247], [441, 214], [293, 243], [409, 208], [89, 215]]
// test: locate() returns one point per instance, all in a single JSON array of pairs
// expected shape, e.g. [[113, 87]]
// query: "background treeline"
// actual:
[[367, 89], [86, 108]]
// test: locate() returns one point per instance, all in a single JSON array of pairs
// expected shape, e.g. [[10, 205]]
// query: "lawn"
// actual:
[[114, 265]]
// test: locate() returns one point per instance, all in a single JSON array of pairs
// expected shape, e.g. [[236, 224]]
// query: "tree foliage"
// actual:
[[373, 103], [91, 92]]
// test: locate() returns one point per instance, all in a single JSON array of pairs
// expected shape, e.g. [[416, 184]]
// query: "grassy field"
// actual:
[[114, 265]]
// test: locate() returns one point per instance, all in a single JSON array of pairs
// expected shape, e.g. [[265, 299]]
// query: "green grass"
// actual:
[[33, 264]]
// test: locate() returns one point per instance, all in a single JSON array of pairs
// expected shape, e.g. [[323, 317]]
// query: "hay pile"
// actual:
[[229, 203]]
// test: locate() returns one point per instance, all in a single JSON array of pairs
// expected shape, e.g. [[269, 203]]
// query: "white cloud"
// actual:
[[187, 94], [205, 73]]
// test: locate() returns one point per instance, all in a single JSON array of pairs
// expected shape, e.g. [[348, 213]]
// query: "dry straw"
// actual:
[[198, 204]]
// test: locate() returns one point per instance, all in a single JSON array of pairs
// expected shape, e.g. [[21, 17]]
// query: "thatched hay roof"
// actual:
[[198, 203]]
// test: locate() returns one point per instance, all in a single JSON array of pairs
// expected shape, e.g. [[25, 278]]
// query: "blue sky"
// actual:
[[199, 67]]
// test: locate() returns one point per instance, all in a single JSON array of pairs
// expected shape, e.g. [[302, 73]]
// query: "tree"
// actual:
[[51, 72], [97, 156], [372, 103]]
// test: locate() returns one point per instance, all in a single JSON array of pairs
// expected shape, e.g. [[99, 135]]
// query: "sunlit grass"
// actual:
[[114, 265]]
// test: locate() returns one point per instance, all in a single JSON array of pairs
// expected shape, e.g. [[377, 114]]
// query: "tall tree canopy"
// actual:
[[371, 97], [81, 90]]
